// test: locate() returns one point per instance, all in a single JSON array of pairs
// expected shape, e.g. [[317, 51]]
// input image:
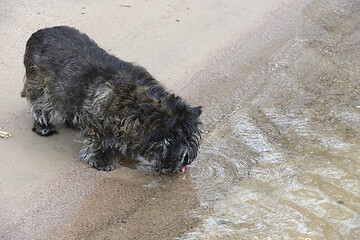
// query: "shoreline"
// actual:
[[37, 198]]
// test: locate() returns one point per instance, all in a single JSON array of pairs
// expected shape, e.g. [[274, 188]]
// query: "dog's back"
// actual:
[[65, 63], [116, 104]]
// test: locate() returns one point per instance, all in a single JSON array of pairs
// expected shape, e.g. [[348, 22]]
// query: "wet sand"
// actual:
[[264, 72]]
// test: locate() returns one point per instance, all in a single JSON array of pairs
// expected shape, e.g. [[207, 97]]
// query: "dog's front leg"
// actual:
[[94, 154]]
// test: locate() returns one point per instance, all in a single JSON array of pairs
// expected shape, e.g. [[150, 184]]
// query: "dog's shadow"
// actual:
[[133, 163]]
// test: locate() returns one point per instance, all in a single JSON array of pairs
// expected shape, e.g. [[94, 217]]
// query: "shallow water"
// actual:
[[285, 164]]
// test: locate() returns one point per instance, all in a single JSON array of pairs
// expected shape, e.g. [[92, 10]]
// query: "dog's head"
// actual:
[[174, 142]]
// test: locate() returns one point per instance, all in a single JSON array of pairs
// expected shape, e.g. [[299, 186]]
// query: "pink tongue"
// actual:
[[186, 167]]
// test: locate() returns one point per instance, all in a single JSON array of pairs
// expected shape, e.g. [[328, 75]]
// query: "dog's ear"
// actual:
[[197, 110]]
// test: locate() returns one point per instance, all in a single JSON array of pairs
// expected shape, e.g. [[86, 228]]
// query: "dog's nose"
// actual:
[[186, 160]]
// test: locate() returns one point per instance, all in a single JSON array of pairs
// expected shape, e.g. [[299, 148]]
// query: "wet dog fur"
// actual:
[[117, 105]]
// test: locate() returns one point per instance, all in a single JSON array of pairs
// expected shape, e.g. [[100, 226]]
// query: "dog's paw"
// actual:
[[44, 130], [106, 168]]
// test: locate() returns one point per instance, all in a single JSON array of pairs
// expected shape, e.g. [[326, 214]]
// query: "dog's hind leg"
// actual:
[[41, 110], [40, 105]]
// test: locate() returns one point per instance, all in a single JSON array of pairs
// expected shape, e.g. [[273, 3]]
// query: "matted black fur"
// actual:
[[115, 104]]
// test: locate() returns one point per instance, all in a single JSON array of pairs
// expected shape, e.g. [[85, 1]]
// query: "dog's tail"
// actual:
[[23, 92]]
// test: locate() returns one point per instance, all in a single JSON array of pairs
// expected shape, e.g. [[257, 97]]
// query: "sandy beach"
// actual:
[[230, 57]]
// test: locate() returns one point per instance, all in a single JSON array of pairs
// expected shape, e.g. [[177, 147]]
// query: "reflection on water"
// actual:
[[286, 164]]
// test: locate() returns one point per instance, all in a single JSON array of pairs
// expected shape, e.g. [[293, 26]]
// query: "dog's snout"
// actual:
[[186, 159]]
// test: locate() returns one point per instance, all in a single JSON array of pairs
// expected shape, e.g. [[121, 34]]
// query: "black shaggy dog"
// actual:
[[116, 105]]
